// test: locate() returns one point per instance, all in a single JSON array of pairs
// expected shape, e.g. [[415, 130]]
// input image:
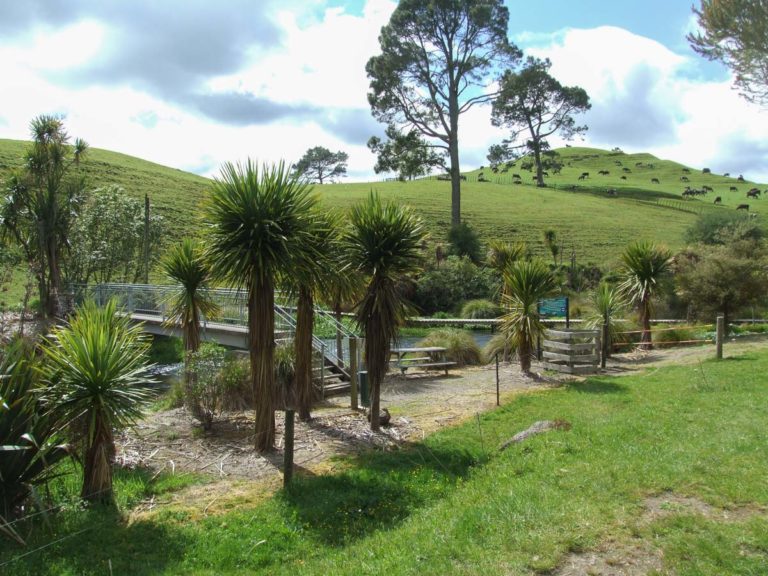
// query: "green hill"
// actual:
[[596, 225]]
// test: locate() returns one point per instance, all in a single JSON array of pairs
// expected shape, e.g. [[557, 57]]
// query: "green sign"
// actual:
[[554, 307]]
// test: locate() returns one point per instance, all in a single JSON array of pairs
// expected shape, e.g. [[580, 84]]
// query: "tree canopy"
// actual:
[[405, 153], [735, 32], [534, 105], [320, 165], [438, 60]]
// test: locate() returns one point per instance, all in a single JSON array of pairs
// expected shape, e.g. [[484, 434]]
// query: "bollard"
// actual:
[[720, 336]]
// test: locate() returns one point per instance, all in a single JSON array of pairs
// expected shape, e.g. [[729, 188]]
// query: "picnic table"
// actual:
[[428, 357]]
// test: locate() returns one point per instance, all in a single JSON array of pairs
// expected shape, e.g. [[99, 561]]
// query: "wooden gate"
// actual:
[[572, 351]]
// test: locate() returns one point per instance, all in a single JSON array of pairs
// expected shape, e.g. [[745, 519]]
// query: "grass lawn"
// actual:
[[453, 504]]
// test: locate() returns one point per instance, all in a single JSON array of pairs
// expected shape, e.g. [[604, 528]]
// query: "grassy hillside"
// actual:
[[597, 226]]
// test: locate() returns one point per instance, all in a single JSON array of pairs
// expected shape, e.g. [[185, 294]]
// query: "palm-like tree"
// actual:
[[97, 378], [309, 278], [383, 242], [257, 222], [525, 283], [500, 256], [644, 266], [184, 265], [607, 302]]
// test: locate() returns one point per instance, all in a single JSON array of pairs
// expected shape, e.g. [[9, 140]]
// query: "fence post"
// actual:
[[497, 379], [353, 373], [606, 346], [288, 452], [720, 336]]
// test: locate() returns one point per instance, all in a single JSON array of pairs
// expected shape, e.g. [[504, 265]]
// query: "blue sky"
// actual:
[[193, 83]]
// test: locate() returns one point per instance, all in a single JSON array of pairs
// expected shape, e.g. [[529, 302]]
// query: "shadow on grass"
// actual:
[[377, 493], [97, 541], [598, 386]]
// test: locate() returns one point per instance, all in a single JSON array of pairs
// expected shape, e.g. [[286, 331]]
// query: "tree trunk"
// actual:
[[97, 471], [539, 169], [645, 319], [453, 150], [261, 333], [303, 345], [337, 315]]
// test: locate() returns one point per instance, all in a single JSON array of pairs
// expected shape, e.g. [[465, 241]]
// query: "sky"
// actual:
[[193, 83]]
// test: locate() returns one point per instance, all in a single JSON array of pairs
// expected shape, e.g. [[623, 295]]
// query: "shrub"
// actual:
[[166, 350], [718, 227], [480, 309], [204, 383], [464, 241], [496, 345], [455, 281], [236, 379], [29, 450], [460, 345], [674, 335]]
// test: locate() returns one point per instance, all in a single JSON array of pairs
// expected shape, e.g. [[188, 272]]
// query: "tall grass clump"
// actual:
[[480, 309], [501, 345], [460, 346]]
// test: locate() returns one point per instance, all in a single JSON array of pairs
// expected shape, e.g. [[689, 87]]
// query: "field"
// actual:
[[660, 472], [589, 223]]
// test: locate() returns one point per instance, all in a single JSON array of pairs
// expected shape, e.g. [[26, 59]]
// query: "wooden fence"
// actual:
[[572, 351]]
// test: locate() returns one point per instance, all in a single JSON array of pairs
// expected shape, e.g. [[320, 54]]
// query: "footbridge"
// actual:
[[149, 304]]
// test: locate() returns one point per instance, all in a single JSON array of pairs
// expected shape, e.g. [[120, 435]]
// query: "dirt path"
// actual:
[[420, 403]]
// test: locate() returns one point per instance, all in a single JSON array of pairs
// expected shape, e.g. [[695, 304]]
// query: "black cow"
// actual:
[[733, 189], [718, 200], [754, 193], [585, 174], [625, 169], [603, 172], [654, 181], [684, 179], [623, 177], [743, 207]]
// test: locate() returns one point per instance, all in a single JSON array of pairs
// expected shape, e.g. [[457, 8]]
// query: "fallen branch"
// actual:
[[536, 428]]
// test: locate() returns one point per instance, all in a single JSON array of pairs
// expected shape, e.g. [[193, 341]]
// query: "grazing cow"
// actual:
[[686, 171], [625, 169], [684, 179], [707, 189], [623, 177], [481, 179], [603, 172], [516, 176], [740, 178], [638, 164], [611, 191], [654, 181], [463, 177], [754, 193], [688, 193], [617, 162], [743, 207], [733, 189], [582, 177], [718, 200], [726, 174], [517, 182], [585, 174]]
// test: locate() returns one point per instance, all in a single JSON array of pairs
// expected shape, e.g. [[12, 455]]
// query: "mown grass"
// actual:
[[587, 221], [454, 505]]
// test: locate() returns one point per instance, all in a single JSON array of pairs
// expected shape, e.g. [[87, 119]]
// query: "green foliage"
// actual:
[[735, 32], [165, 350], [205, 385], [535, 106], [321, 165], [721, 227], [607, 303], [108, 239], [404, 153], [644, 267], [97, 378], [498, 344], [480, 308], [722, 279], [260, 225], [190, 301], [459, 344], [428, 89], [28, 439], [456, 280], [42, 203], [464, 241], [676, 335], [383, 242], [525, 283]]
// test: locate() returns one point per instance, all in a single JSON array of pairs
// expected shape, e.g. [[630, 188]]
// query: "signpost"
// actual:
[[555, 308]]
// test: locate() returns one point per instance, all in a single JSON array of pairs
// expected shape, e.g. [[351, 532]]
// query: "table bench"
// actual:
[[424, 358]]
